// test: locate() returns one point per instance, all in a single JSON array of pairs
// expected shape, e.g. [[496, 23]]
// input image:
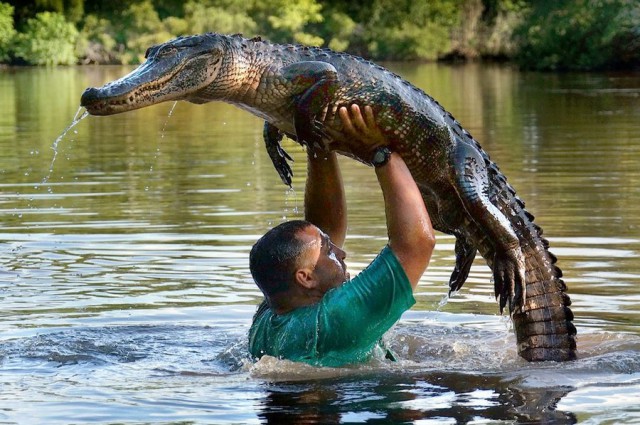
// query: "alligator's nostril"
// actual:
[[89, 95]]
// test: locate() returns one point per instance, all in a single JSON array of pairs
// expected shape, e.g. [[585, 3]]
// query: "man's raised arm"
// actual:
[[411, 236], [324, 199]]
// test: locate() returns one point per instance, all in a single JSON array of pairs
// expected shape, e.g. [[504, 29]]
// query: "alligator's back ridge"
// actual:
[[297, 90]]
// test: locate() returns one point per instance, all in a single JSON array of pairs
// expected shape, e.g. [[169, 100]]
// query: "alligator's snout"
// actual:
[[99, 101], [89, 96]]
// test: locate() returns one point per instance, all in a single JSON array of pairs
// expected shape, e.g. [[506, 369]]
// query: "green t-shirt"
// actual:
[[345, 326]]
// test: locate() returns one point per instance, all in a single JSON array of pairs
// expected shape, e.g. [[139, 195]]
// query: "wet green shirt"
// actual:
[[345, 326]]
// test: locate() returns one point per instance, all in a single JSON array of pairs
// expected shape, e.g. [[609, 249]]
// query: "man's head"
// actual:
[[298, 260]]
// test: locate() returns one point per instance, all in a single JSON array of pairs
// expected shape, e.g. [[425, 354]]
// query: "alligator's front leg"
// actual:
[[318, 82], [470, 173], [272, 137]]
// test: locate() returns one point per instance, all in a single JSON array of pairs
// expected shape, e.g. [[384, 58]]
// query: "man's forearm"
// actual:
[[411, 235], [324, 199]]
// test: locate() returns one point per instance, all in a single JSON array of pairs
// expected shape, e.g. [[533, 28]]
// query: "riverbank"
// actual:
[[542, 35]]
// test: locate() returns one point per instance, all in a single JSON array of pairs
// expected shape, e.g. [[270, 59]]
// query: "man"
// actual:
[[313, 312]]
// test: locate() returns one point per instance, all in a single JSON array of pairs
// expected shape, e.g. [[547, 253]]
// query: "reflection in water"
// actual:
[[400, 398], [125, 288]]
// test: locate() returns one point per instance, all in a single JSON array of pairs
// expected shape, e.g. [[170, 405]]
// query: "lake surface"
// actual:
[[124, 285]]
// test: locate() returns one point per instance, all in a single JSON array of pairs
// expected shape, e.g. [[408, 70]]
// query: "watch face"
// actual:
[[381, 156]]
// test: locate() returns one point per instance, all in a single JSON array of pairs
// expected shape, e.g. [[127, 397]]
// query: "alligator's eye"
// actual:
[[168, 51]]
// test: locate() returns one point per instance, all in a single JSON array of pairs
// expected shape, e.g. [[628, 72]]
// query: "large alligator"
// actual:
[[297, 91]]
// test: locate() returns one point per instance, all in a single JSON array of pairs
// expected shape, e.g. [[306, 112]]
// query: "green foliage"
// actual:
[[219, 16], [286, 21], [97, 43], [408, 29], [48, 39], [578, 34], [540, 34], [7, 32], [141, 28], [339, 30]]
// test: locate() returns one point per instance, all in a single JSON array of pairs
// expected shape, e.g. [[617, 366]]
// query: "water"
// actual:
[[126, 295]]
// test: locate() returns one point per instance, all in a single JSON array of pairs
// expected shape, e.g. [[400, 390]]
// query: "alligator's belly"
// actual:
[[446, 211]]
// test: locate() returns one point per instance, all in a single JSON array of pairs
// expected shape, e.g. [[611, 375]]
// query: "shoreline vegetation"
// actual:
[[544, 35]]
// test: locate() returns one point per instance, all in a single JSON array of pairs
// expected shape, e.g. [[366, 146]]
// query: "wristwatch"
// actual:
[[381, 156]]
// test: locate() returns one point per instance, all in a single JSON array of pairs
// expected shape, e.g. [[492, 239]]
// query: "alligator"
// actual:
[[298, 90]]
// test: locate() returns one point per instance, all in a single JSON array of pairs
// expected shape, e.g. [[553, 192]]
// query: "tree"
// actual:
[[48, 39], [407, 29], [286, 21], [217, 16], [7, 31], [579, 34]]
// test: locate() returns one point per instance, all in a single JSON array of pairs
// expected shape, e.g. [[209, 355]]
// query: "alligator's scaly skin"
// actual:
[[297, 91]]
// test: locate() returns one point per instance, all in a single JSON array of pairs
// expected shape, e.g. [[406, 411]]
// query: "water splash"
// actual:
[[445, 299], [79, 116]]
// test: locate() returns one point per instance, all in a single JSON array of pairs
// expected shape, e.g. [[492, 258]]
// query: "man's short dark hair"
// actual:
[[273, 258]]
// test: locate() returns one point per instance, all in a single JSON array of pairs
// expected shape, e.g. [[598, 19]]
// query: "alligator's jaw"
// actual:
[[136, 90]]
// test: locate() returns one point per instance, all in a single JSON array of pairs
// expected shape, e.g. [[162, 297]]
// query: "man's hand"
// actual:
[[360, 134], [363, 130]]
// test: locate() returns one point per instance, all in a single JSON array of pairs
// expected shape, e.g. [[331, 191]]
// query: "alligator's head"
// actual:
[[176, 70]]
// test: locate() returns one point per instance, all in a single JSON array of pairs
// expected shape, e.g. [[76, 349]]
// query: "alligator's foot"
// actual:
[[272, 138], [313, 135], [317, 82], [509, 281]]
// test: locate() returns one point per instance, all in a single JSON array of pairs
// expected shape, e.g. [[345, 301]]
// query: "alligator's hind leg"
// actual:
[[508, 264], [320, 82], [465, 254], [272, 138]]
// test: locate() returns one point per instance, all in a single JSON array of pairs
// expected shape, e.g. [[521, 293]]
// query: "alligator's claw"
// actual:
[[509, 280], [272, 138], [465, 254], [310, 132]]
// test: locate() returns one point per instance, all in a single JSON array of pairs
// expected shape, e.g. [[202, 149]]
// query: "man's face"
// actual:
[[325, 258]]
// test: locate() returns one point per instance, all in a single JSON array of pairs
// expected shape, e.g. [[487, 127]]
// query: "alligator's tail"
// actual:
[[543, 325]]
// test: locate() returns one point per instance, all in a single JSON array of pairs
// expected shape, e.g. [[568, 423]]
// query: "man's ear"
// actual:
[[305, 278]]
